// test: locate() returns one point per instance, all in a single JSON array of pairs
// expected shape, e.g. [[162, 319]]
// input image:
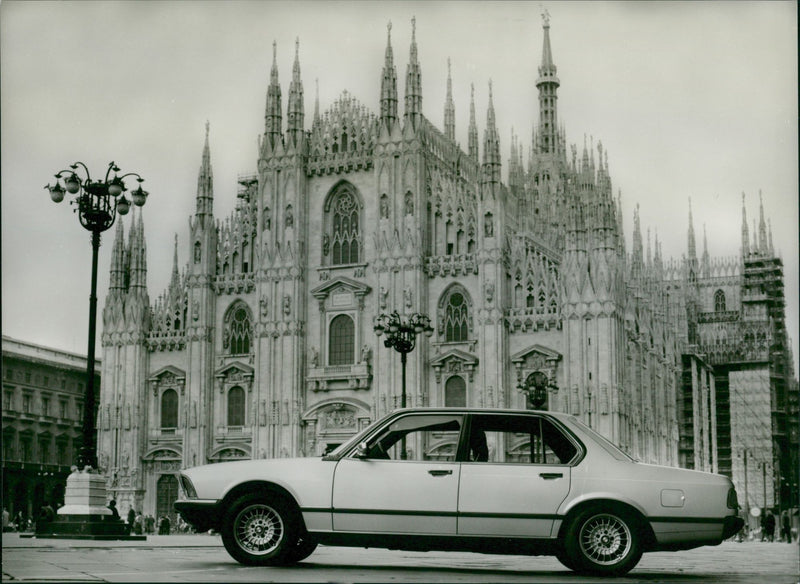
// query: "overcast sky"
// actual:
[[691, 100]]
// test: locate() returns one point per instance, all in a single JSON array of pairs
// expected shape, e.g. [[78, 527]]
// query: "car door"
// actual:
[[405, 482], [516, 476]]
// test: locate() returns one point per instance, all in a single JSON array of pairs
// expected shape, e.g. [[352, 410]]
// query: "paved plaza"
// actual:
[[201, 558]]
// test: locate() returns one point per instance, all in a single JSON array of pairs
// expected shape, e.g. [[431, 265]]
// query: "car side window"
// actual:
[[418, 438], [518, 439]]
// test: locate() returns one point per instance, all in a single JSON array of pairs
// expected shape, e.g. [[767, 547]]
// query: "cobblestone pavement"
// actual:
[[201, 558]]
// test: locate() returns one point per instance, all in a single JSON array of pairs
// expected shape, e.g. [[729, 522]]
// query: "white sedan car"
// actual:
[[493, 481]]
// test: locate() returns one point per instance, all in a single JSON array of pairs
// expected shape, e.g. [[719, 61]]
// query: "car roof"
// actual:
[[465, 410]]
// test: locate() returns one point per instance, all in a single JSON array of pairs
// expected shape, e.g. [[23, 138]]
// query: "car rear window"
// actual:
[[601, 440]]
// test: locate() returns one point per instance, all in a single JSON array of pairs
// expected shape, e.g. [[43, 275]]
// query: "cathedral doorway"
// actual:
[[166, 495]]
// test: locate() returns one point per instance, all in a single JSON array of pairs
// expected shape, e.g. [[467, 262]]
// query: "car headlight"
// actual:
[[733, 501], [188, 488]]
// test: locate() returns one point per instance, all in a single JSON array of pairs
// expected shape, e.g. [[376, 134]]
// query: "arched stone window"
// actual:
[[341, 341], [236, 406], [719, 301], [454, 315], [455, 392], [343, 226], [238, 329], [169, 409]]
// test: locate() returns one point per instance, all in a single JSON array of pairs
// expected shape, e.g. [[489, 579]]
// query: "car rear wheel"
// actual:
[[603, 542], [262, 530]]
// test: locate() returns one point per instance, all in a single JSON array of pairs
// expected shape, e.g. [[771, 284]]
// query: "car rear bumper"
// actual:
[[202, 515], [731, 526]]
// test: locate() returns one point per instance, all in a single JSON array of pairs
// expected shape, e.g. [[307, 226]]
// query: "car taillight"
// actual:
[[733, 501], [188, 487]]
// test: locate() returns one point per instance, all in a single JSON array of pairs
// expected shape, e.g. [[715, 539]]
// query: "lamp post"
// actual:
[[401, 335], [97, 204]]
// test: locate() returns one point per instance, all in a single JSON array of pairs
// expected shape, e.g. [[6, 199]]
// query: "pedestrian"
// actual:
[[46, 516], [769, 526], [138, 524], [786, 527], [6, 519], [131, 517], [149, 524], [113, 506], [19, 521], [163, 525]]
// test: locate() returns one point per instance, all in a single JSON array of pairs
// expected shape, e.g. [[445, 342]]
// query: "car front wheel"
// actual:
[[261, 530], [603, 542]]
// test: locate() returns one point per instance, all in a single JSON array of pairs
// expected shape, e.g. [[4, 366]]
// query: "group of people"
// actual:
[[143, 524], [771, 527], [20, 522], [769, 522], [17, 523]]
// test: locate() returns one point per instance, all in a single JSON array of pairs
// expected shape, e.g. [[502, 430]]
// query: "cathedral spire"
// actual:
[[705, 263], [413, 80], [762, 227], [295, 111], [117, 279], [205, 182], [449, 108], [175, 279], [771, 249], [389, 84], [138, 249], [745, 232], [273, 116], [547, 83], [692, 248], [636, 260], [491, 144], [472, 146]]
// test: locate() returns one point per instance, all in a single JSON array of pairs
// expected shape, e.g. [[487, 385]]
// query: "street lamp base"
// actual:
[[84, 515]]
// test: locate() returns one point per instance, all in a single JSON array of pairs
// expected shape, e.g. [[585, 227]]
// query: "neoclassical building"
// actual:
[[263, 346]]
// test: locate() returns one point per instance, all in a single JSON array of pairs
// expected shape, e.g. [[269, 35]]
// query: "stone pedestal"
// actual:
[[85, 514]]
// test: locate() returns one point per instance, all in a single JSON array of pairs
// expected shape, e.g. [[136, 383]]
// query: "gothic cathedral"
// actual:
[[262, 345]]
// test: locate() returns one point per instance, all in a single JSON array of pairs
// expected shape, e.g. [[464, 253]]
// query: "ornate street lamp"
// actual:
[[97, 204], [401, 335]]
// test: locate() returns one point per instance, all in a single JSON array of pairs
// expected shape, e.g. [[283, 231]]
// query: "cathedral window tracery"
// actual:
[[238, 330], [343, 225], [719, 301], [454, 315]]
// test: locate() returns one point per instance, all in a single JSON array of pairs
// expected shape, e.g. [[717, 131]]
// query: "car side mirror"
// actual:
[[362, 451]]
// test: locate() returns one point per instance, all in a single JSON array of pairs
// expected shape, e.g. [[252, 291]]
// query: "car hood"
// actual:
[[295, 475]]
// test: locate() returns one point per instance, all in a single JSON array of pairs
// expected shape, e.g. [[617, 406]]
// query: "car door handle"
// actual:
[[551, 475], [439, 473]]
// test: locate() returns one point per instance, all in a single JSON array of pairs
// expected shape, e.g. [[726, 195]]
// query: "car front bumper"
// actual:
[[200, 514]]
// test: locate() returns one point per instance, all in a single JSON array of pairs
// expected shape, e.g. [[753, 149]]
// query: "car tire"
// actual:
[[261, 529], [305, 547], [561, 556], [603, 541]]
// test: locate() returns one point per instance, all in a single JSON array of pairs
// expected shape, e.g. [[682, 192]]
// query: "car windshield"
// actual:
[[333, 454], [604, 442]]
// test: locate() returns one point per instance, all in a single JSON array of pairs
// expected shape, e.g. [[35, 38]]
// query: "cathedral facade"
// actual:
[[262, 345]]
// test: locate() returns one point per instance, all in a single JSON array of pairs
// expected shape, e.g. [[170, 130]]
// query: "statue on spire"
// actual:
[[545, 16]]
